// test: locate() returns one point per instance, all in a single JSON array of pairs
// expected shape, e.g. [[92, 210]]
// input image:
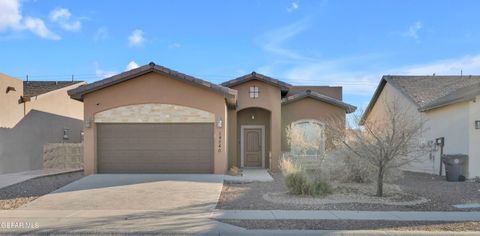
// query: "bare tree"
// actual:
[[390, 140]]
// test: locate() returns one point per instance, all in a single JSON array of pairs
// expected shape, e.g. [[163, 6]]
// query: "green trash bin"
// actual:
[[454, 167]]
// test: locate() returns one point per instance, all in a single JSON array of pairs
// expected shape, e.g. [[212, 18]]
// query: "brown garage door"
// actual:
[[155, 148]]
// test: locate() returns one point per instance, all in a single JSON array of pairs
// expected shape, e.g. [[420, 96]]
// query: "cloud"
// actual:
[[12, 19], [364, 81], [101, 34], [131, 65], [413, 30], [102, 73], [136, 38], [274, 41], [37, 26], [174, 45], [62, 16], [453, 66], [293, 6], [10, 16]]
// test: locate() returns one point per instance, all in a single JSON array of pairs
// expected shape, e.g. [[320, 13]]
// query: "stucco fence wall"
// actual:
[[63, 156]]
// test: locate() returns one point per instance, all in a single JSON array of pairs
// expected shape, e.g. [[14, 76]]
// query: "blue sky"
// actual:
[[348, 43]]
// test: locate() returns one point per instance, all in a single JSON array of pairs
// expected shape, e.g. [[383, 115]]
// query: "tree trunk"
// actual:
[[380, 182]]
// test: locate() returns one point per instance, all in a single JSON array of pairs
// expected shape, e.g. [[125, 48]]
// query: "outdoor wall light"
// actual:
[[88, 123], [65, 133], [253, 117], [477, 124], [219, 122]]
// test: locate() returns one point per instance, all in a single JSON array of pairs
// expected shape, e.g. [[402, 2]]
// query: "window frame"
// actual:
[[254, 92], [322, 149]]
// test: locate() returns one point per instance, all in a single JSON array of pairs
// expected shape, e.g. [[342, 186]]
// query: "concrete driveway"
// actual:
[[114, 203], [152, 192]]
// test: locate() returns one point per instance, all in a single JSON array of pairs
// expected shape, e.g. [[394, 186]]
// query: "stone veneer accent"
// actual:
[[63, 156], [154, 113]]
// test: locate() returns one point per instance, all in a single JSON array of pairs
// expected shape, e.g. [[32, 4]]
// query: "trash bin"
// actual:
[[454, 167]]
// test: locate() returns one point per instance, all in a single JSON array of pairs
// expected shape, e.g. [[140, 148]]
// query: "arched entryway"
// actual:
[[253, 135]]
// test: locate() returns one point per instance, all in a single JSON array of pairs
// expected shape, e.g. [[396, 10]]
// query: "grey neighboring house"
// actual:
[[35, 113], [449, 104]]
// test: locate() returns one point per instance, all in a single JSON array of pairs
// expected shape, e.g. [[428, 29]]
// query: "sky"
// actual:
[[322, 42]]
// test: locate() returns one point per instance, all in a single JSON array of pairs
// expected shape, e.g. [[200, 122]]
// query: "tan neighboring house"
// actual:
[[34, 113], [156, 120], [449, 105]]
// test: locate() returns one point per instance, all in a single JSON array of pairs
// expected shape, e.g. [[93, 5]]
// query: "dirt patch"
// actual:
[[355, 225], [442, 195], [19, 194]]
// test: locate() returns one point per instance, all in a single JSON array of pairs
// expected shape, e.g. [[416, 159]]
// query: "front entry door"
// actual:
[[252, 147]]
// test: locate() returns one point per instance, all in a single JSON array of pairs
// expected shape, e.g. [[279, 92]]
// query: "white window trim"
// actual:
[[242, 144]]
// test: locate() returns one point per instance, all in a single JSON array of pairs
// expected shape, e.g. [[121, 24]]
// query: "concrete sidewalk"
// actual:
[[18, 177], [250, 175], [346, 215]]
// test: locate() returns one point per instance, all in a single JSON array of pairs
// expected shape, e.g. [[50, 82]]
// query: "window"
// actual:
[[254, 92], [308, 138]]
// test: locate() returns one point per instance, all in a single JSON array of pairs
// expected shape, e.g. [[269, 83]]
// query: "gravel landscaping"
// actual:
[[16, 195], [355, 225], [419, 192]]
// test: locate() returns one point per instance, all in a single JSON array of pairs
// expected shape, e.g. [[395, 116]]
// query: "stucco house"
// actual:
[[156, 120], [448, 104], [34, 113]]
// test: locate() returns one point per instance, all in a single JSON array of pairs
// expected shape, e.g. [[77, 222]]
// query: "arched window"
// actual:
[[307, 138]]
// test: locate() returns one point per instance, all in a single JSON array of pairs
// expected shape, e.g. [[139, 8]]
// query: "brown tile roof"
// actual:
[[257, 76], [428, 92], [35, 88], [78, 93], [320, 97]]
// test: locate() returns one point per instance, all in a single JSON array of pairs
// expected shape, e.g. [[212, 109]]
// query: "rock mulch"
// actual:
[[19, 194], [355, 225], [441, 195]]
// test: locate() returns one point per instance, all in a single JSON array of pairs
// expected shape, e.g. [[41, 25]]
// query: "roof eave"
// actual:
[[347, 107], [79, 93], [374, 99]]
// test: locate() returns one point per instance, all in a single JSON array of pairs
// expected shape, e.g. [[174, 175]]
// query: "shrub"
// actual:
[[302, 182], [287, 166], [233, 171], [319, 188], [297, 183]]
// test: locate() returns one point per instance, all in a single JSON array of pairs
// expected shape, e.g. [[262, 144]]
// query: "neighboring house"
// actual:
[[34, 113], [448, 104], [156, 120]]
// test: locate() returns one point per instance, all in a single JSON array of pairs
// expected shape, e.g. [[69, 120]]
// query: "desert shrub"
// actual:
[[287, 166], [233, 171], [300, 181], [296, 183], [319, 188], [343, 166]]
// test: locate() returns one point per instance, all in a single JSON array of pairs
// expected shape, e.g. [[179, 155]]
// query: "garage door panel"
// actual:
[[155, 148]]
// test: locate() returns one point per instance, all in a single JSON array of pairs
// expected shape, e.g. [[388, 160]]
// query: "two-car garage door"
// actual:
[[155, 147]]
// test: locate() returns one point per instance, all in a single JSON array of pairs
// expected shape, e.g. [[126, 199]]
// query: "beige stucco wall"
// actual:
[[454, 123], [270, 100], [155, 88], [309, 108], [474, 141], [12, 111], [57, 102]]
